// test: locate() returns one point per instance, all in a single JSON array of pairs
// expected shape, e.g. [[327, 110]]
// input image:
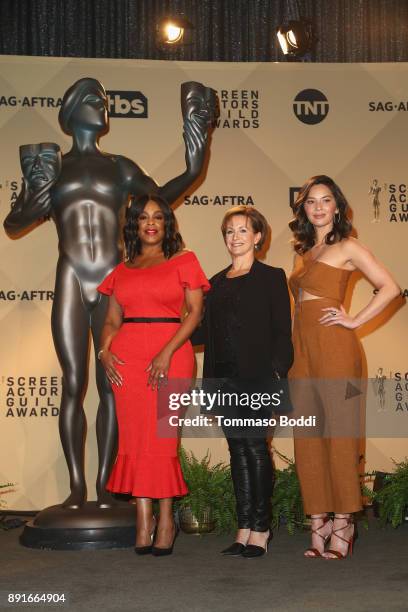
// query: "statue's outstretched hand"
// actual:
[[38, 200], [195, 137]]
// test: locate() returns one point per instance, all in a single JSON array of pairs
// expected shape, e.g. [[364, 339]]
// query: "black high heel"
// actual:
[[235, 550], [162, 552], [252, 550], [146, 550]]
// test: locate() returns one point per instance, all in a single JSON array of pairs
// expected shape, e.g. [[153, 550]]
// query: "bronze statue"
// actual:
[[84, 194], [375, 191]]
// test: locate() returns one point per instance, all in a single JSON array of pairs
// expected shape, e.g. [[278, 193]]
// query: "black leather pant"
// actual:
[[252, 476], [251, 464]]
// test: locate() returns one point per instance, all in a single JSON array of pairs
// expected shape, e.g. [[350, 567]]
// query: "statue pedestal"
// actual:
[[89, 527]]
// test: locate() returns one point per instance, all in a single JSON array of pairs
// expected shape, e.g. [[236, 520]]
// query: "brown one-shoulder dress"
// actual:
[[326, 384]]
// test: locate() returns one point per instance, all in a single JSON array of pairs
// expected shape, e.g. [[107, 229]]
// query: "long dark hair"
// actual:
[[303, 230], [172, 241]]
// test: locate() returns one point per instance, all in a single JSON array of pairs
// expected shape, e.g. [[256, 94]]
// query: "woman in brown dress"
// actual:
[[327, 369]]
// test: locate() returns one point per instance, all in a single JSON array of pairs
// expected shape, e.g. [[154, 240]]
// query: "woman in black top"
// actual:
[[246, 332]]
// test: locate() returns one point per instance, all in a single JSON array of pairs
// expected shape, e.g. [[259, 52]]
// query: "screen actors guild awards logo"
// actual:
[[375, 191], [239, 108]]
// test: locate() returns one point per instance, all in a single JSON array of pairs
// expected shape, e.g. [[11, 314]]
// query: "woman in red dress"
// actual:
[[143, 342]]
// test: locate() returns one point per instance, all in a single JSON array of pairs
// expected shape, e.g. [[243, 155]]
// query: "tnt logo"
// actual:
[[293, 194], [127, 104], [311, 106]]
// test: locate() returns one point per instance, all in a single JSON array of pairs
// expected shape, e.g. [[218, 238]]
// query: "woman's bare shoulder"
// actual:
[[182, 252], [351, 245]]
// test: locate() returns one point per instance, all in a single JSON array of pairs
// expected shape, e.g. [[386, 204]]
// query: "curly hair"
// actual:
[[303, 231], [258, 222], [172, 241]]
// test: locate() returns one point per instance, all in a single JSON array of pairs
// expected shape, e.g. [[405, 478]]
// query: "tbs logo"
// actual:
[[127, 104]]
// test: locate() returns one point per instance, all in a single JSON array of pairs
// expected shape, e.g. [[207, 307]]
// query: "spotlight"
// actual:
[[173, 31], [296, 38]]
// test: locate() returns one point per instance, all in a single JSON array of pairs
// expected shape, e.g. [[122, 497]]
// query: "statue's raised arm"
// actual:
[[199, 106]]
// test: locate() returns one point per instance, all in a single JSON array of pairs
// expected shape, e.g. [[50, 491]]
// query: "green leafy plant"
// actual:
[[392, 499], [287, 506], [8, 490], [210, 487], [366, 491]]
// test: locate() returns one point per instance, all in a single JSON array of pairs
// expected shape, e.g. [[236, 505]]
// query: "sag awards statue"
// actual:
[[84, 192], [375, 191], [379, 388]]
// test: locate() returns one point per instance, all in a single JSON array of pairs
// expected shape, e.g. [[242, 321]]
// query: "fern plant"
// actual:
[[393, 497], [287, 506], [366, 491], [210, 488], [5, 486]]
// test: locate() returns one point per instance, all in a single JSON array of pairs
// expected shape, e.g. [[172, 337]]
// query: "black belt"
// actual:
[[151, 320]]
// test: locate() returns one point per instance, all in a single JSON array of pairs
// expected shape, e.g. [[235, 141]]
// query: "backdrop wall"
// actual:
[[279, 124]]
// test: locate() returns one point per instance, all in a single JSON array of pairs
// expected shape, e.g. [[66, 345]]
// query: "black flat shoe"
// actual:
[[235, 550], [162, 552], [252, 550]]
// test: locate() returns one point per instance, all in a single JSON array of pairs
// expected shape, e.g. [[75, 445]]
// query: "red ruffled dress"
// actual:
[[147, 465]]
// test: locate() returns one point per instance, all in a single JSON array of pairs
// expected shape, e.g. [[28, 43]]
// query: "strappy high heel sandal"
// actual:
[[316, 553], [336, 553]]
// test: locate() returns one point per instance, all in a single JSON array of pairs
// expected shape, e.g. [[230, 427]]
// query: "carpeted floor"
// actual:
[[196, 578]]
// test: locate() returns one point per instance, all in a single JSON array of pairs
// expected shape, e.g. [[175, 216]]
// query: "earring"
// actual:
[[337, 218], [256, 247]]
